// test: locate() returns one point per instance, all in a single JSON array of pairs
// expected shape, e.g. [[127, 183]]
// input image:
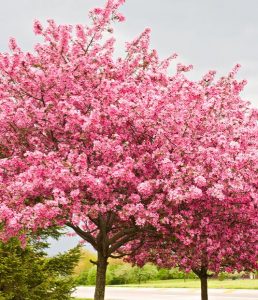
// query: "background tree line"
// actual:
[[119, 272]]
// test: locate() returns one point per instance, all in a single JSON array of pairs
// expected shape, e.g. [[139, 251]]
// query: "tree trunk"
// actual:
[[101, 277], [202, 273], [204, 287]]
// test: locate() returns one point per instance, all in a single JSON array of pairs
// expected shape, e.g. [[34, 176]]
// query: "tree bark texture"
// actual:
[[202, 273], [101, 277], [204, 287]]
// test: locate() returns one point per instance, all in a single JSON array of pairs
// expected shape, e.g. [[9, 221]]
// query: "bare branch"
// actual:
[[121, 234], [85, 235], [121, 242]]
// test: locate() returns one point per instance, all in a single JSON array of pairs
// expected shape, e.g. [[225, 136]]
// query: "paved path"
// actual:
[[117, 293]]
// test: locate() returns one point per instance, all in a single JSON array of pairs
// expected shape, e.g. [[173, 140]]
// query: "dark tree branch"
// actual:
[[85, 235], [121, 234], [121, 242]]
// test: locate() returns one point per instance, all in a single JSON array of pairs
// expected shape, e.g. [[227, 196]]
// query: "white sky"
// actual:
[[210, 34]]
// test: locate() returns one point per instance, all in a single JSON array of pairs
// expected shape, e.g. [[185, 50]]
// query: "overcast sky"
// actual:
[[210, 34]]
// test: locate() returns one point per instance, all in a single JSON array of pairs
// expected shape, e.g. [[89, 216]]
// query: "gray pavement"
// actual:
[[123, 293]]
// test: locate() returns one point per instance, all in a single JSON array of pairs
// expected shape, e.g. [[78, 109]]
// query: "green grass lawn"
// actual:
[[195, 283]]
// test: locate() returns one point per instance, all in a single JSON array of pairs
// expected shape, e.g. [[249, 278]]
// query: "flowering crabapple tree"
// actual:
[[211, 180], [212, 237], [218, 237], [78, 129]]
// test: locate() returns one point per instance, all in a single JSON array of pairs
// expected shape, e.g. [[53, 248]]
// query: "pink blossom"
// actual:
[[200, 181], [97, 11], [195, 192], [145, 188], [120, 17], [217, 191], [37, 27], [12, 44], [234, 145]]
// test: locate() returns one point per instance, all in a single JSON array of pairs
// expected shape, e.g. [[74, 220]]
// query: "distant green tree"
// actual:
[[121, 273], [164, 274], [82, 278], [28, 274], [91, 278], [143, 274]]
